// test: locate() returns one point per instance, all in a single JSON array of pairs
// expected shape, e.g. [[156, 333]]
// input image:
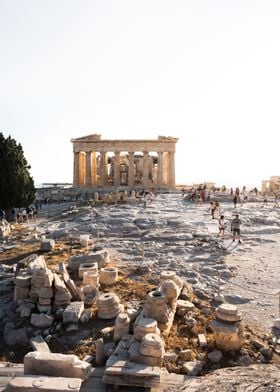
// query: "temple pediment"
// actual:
[[89, 138]]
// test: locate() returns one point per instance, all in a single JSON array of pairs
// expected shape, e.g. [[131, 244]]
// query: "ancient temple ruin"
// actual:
[[124, 163]]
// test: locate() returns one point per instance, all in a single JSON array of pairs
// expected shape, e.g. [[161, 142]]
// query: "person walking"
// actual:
[[235, 199], [235, 228], [212, 207], [221, 227]]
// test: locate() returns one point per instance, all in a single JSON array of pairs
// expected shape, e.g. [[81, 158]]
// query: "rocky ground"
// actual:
[[169, 234]]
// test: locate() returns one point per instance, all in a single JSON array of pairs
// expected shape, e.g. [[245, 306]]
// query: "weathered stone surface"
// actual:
[[202, 340], [25, 309], [261, 378], [183, 307], [215, 356], [43, 384], [56, 365], [73, 312], [143, 326], [84, 267], [136, 356], [91, 278], [39, 344], [122, 325], [46, 292], [23, 280], [100, 257], [228, 312], [47, 245], [100, 352], [108, 306], [37, 264], [21, 292], [41, 320], [193, 368], [186, 355], [152, 346], [108, 275], [228, 336]]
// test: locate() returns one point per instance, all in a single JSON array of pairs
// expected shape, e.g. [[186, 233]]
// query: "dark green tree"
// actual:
[[16, 185]]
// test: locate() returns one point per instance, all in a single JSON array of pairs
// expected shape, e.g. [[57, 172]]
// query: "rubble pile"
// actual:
[[176, 319]]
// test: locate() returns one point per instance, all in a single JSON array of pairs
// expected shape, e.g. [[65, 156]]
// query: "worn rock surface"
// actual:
[[239, 379]]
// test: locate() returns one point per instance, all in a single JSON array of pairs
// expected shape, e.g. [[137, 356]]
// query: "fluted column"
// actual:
[[117, 169], [93, 169], [160, 169], [76, 170], [145, 179], [82, 171], [103, 169], [131, 168], [171, 170], [88, 169]]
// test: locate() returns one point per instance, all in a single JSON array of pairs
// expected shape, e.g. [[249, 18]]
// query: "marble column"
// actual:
[[160, 169], [82, 165], [131, 169], [93, 168], [88, 169], [76, 179], [171, 170], [103, 169], [145, 179], [117, 169]]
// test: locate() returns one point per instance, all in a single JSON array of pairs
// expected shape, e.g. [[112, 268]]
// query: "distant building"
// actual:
[[129, 163], [272, 185]]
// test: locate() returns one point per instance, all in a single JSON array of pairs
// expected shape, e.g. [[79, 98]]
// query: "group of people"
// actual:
[[234, 228], [21, 215]]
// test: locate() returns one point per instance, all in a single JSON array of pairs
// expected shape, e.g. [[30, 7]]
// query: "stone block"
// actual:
[[193, 368], [45, 301], [47, 245], [183, 307], [39, 344], [46, 292], [56, 365], [43, 384], [44, 308], [41, 320], [202, 340], [23, 280], [101, 257], [21, 293], [59, 283], [37, 264], [73, 312], [186, 355], [93, 267], [91, 278]]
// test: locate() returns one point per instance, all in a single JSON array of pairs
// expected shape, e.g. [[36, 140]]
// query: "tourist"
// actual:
[[152, 197], [212, 207], [221, 227], [144, 200], [276, 201], [234, 199], [235, 228]]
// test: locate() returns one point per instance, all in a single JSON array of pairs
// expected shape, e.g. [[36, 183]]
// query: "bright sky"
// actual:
[[205, 71]]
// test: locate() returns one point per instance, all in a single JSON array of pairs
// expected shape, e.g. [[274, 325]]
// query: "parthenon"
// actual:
[[129, 163]]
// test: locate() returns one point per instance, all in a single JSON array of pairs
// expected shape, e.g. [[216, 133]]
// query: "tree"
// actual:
[[16, 185]]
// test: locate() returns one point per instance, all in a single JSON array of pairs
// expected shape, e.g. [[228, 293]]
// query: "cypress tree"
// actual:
[[16, 185]]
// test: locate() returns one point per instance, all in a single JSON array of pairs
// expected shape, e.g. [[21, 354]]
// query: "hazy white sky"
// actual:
[[207, 72]]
